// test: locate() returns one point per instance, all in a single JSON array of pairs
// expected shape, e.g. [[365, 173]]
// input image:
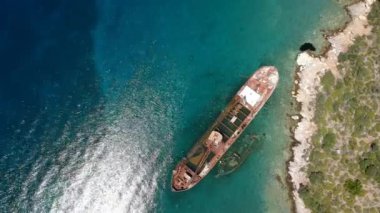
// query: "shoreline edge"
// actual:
[[310, 69]]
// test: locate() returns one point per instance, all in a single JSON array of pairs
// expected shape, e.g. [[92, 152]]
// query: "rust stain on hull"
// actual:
[[242, 109]]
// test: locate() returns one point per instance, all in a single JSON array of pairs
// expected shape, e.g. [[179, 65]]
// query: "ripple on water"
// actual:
[[118, 166]]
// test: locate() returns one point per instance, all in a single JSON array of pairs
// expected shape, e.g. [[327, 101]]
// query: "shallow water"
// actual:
[[102, 103]]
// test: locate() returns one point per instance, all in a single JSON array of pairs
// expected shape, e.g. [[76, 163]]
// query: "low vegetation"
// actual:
[[344, 169], [328, 141], [370, 162], [353, 186]]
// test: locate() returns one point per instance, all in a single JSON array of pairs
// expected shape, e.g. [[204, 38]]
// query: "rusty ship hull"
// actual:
[[227, 128]]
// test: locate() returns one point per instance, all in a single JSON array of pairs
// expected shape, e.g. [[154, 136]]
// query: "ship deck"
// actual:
[[226, 129], [227, 124]]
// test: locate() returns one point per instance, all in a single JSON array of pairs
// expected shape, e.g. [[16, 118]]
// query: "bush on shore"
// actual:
[[329, 141], [354, 187]]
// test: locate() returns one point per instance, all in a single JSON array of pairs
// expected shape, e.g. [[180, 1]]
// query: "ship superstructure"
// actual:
[[206, 153]]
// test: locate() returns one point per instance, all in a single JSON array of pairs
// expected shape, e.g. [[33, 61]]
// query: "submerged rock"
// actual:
[[307, 46]]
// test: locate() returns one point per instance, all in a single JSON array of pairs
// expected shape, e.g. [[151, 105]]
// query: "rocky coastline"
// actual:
[[310, 69]]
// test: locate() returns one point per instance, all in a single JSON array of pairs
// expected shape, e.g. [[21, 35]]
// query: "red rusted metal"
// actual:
[[226, 129]]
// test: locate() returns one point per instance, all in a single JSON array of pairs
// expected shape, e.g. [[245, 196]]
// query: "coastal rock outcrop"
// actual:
[[311, 69]]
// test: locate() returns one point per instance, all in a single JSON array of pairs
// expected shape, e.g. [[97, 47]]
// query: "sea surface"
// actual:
[[100, 99]]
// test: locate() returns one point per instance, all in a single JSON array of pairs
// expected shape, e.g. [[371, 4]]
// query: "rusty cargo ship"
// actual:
[[227, 128]]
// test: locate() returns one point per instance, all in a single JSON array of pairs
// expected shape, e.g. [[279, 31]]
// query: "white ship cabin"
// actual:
[[250, 96]]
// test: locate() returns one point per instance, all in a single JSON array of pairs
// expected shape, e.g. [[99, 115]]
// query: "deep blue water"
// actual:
[[100, 99]]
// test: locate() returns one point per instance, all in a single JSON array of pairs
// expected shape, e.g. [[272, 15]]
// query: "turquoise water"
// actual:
[[191, 60], [160, 74]]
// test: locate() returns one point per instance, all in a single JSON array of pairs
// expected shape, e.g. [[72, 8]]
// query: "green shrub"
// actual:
[[312, 200], [329, 140], [320, 102], [354, 187], [376, 128], [364, 163], [370, 162], [371, 171], [352, 144], [363, 116], [328, 81], [316, 177], [373, 16]]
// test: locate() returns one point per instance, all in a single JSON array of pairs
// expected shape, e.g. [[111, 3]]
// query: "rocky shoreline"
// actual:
[[309, 72]]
